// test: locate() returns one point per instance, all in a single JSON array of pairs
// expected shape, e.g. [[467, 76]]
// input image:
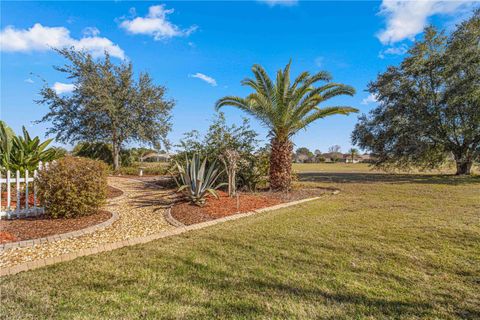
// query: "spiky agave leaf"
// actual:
[[197, 179]]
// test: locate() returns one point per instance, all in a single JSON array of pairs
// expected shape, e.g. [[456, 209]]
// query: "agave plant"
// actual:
[[198, 180]]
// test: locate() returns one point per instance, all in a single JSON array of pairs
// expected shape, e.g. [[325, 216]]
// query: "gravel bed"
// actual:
[[140, 211]]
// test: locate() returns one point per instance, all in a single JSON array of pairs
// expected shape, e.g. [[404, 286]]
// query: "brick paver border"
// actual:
[[61, 236], [141, 240]]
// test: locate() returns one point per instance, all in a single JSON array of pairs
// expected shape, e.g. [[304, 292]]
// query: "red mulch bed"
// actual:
[[188, 213], [223, 206], [13, 199], [39, 227]]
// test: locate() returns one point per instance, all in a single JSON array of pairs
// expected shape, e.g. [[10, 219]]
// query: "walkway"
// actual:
[[140, 213]]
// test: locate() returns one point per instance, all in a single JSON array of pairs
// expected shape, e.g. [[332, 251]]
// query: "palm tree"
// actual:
[[353, 153], [285, 108]]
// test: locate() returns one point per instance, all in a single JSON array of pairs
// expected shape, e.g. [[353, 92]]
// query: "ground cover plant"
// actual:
[[389, 246]]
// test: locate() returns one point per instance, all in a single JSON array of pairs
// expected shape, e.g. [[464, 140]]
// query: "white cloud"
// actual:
[[91, 32], [400, 50], [29, 80], [370, 99], [405, 19], [61, 88], [41, 38], [156, 24], [205, 78], [286, 3]]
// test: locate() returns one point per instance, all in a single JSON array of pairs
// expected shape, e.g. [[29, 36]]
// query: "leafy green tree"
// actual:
[[286, 107], [107, 104], [303, 154], [222, 138], [102, 151], [429, 106]]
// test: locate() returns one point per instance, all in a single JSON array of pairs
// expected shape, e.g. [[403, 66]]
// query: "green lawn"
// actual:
[[332, 167], [363, 167], [398, 247]]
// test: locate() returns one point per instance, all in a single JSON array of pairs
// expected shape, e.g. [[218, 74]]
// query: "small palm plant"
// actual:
[[198, 180]]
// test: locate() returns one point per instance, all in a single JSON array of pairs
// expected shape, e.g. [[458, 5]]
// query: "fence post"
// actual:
[[0, 194], [8, 192], [35, 173], [26, 193], [17, 207]]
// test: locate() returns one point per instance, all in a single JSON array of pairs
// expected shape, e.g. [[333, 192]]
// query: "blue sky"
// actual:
[[202, 50]]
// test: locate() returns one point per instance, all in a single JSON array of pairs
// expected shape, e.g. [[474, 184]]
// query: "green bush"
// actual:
[[72, 187]]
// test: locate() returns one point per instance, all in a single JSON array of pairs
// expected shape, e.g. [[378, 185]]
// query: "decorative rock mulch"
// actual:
[[140, 213]]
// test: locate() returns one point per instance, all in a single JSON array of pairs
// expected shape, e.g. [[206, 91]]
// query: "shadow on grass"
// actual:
[[348, 177]]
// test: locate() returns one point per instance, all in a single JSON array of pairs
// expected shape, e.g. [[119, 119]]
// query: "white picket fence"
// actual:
[[22, 185]]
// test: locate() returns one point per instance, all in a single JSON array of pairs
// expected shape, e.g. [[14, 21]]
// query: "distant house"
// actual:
[[348, 158]]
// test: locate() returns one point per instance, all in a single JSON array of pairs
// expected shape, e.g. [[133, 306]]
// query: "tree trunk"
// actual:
[[281, 164], [464, 164], [464, 167], [116, 157]]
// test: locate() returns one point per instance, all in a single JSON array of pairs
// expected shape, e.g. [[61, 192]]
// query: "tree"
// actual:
[[335, 149], [429, 106], [303, 154], [286, 107], [107, 104], [335, 152], [353, 152], [221, 139]]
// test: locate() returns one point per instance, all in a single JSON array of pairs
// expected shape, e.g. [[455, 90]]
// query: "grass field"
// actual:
[[363, 167], [402, 247]]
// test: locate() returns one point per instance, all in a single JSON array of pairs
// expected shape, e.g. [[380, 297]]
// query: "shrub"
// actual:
[[221, 137], [149, 169], [72, 187], [197, 179]]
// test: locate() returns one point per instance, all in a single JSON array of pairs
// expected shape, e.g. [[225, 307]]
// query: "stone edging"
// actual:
[[170, 219], [174, 222], [66, 235], [141, 240], [61, 236]]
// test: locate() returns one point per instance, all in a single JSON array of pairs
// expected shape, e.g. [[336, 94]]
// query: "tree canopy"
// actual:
[[107, 104], [429, 106]]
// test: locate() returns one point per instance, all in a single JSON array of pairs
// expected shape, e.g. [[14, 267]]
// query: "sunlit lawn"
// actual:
[[405, 246]]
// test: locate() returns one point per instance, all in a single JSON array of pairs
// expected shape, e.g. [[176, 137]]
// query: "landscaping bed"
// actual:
[[214, 208], [39, 227]]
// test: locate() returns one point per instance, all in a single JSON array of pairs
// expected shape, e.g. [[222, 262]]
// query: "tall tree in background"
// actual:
[[286, 107], [107, 104], [429, 106], [353, 152]]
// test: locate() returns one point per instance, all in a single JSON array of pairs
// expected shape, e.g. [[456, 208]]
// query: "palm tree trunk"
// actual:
[[281, 164]]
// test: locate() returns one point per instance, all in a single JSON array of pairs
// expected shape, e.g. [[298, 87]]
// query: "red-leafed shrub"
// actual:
[[72, 187]]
